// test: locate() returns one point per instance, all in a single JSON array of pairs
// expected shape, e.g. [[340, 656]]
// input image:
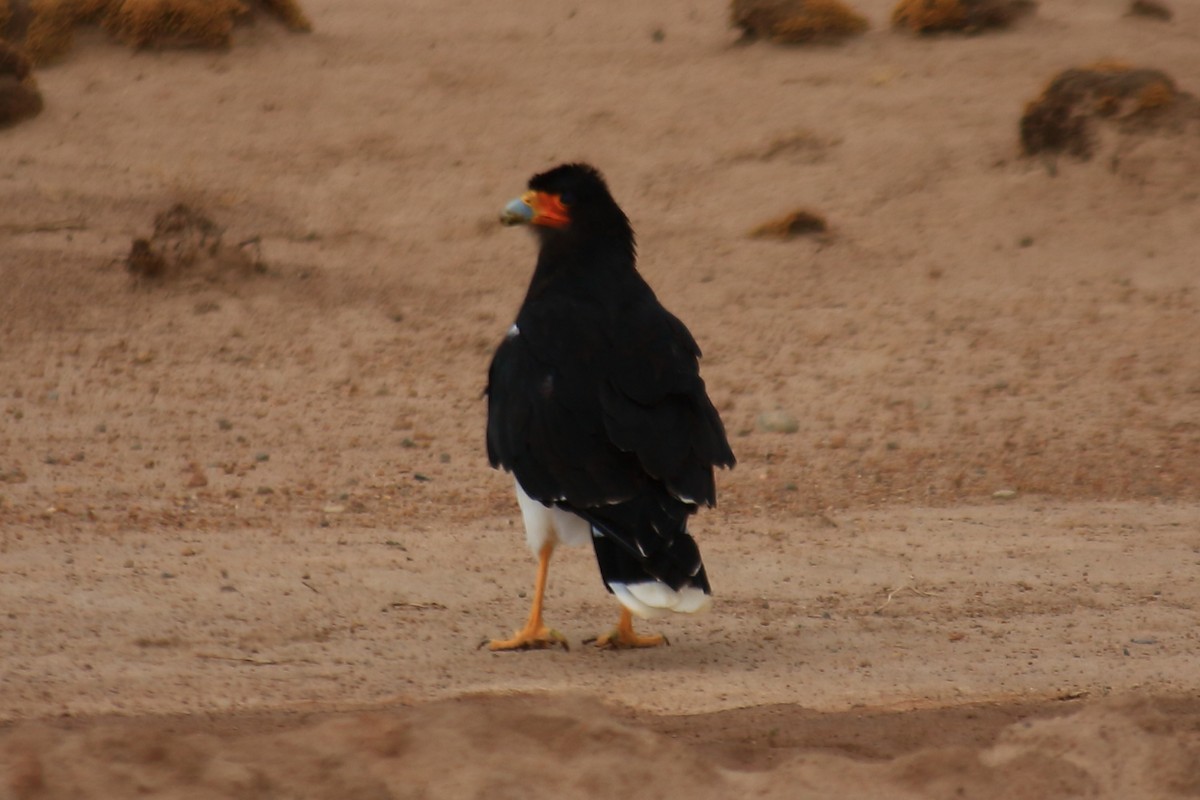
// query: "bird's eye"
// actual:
[[567, 198]]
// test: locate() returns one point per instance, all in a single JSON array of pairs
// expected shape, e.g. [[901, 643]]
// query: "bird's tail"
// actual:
[[652, 575]]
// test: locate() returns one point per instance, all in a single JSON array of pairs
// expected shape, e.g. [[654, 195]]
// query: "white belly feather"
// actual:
[[548, 524]]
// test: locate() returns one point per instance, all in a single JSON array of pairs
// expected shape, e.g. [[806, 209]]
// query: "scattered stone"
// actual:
[[206, 307], [14, 475], [1063, 117], [800, 222], [1150, 8], [334, 508], [187, 242], [796, 21], [196, 477], [1143, 640], [145, 261], [1004, 494], [777, 421], [969, 16]]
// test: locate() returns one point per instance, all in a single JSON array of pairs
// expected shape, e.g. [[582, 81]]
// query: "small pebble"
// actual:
[[1004, 494], [1150, 8], [777, 421]]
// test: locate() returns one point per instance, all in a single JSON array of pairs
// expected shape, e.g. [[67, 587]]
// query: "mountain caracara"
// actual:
[[596, 405]]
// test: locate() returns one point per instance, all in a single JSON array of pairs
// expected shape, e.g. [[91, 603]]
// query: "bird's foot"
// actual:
[[537, 638], [618, 639], [622, 637]]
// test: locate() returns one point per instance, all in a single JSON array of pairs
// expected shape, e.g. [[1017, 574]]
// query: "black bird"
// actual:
[[597, 407]]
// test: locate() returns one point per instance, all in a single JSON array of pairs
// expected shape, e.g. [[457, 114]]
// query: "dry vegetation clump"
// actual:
[[1062, 118], [52, 23], [146, 23], [797, 223], [927, 16], [19, 95], [796, 21], [290, 13], [186, 242]]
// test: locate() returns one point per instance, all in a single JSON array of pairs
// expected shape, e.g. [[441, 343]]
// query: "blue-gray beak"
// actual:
[[518, 212]]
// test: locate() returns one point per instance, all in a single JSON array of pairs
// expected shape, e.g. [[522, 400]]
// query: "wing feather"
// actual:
[[612, 422]]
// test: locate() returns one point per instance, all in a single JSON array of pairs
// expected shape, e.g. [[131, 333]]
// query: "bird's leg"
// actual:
[[535, 635], [623, 637]]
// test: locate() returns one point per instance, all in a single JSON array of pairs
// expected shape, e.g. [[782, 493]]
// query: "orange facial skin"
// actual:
[[548, 209]]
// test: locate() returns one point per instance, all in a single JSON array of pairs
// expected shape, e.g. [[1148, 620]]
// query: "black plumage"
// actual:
[[595, 400]]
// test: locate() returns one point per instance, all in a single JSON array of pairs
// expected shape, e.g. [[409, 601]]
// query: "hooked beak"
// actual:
[[519, 211]]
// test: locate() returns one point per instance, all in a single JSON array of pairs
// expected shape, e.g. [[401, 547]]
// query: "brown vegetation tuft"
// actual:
[[146, 23], [14, 63], [290, 13], [926, 16], [52, 25], [19, 95], [796, 21], [1061, 118]]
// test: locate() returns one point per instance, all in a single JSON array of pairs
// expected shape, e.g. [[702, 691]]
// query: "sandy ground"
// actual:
[[250, 541]]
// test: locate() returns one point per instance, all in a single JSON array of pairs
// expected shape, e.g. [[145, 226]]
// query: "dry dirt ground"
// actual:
[[249, 537]]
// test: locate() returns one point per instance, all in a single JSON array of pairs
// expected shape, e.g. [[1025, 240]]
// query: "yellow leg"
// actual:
[[535, 635], [623, 637]]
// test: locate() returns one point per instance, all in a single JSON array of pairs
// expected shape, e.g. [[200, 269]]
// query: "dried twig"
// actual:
[[252, 661], [73, 224], [417, 606], [897, 590]]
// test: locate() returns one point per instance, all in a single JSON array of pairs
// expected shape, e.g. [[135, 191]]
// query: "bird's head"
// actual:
[[570, 201]]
